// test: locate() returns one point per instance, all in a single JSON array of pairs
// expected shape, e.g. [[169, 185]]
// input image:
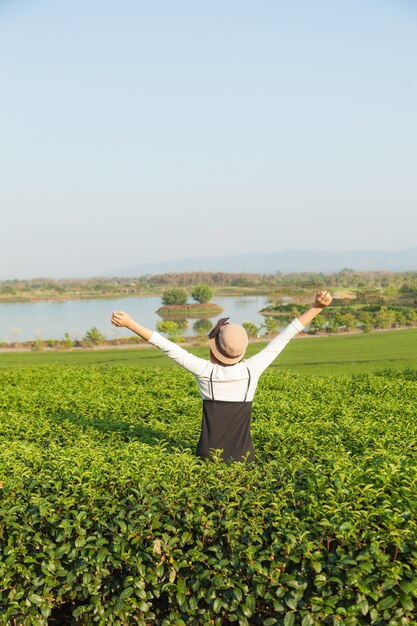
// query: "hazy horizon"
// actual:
[[119, 272], [143, 132]]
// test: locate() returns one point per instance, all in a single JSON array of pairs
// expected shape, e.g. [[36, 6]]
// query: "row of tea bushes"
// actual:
[[107, 516]]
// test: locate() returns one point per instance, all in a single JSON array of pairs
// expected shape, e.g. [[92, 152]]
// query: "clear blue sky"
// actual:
[[142, 131]]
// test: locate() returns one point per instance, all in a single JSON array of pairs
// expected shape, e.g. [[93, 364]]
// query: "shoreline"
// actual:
[[191, 342], [75, 298], [220, 292]]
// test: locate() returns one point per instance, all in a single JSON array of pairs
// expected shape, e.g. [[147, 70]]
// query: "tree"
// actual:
[[202, 293], [203, 327], [411, 316], [94, 337], [349, 321], [318, 324], [384, 318], [39, 345], [365, 320], [251, 329], [332, 325], [174, 330], [400, 318], [67, 342], [174, 296], [369, 295], [270, 324]]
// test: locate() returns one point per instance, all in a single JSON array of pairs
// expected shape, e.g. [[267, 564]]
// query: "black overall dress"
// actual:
[[226, 426]]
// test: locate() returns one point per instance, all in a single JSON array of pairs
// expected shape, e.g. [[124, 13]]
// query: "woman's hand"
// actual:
[[121, 319], [323, 299]]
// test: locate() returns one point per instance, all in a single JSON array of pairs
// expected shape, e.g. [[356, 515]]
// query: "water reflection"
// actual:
[[190, 312], [203, 326]]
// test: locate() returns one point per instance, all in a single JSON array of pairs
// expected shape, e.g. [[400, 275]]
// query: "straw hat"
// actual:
[[228, 342]]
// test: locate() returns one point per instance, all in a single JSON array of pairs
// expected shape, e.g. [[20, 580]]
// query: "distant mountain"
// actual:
[[287, 261]]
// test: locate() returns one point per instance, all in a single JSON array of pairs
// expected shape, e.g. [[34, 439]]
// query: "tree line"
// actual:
[[386, 286]]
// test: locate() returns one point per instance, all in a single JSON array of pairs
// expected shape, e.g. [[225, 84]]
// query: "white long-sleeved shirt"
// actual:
[[229, 383]]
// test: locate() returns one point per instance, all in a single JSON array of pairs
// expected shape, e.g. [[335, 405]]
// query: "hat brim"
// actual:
[[220, 357]]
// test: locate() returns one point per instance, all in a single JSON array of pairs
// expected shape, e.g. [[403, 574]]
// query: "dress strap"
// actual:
[[211, 384], [247, 389], [212, 389]]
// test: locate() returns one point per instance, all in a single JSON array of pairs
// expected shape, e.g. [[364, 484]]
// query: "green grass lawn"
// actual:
[[346, 354]]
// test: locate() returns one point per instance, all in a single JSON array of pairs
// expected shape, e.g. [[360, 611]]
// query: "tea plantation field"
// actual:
[[108, 518]]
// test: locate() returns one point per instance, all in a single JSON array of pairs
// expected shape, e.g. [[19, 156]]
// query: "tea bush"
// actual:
[[107, 513]]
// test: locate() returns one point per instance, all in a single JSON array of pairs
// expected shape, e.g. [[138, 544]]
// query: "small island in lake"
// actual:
[[175, 305], [193, 310]]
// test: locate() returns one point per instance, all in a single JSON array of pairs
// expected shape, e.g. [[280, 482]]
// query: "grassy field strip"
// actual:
[[322, 355]]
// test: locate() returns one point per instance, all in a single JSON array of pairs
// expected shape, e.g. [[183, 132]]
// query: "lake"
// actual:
[[25, 321]]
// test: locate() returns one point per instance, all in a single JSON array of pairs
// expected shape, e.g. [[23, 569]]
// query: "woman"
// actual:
[[227, 383]]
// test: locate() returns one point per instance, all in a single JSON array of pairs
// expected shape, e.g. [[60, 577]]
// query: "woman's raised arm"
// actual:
[[323, 299], [185, 359], [265, 357]]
